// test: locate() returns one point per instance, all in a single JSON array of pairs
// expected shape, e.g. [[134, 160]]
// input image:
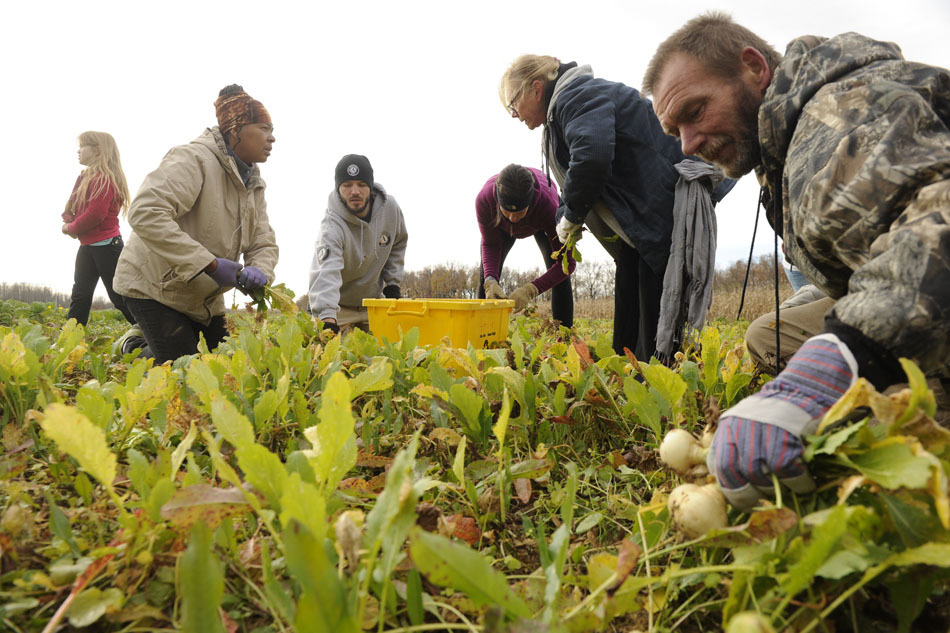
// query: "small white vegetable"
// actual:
[[749, 622], [680, 451], [349, 535], [707, 437], [697, 509]]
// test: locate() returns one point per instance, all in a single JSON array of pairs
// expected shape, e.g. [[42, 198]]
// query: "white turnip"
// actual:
[[680, 451], [749, 622], [697, 509]]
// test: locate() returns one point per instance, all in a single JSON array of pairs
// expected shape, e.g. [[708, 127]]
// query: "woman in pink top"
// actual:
[[92, 217], [517, 203]]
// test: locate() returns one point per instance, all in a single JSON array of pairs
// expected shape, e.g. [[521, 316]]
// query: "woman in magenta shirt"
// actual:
[[517, 203]]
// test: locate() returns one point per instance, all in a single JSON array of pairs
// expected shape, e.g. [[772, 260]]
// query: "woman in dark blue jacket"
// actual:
[[616, 170]]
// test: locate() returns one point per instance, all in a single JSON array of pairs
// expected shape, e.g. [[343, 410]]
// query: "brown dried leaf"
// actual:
[[363, 487], [762, 526], [203, 502], [523, 490], [633, 360], [595, 399], [616, 459], [582, 350], [428, 516], [464, 527], [368, 460], [626, 562]]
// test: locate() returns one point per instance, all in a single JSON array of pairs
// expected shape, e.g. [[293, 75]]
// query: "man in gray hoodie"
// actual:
[[361, 248]]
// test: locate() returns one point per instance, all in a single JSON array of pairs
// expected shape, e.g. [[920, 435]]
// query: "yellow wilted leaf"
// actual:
[[428, 391], [281, 298], [450, 437], [458, 465], [732, 362], [921, 395], [13, 356], [457, 360], [937, 486], [74, 357], [858, 395], [501, 426], [82, 440]]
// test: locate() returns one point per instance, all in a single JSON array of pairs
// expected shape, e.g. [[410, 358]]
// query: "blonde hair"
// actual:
[[523, 71], [105, 170], [716, 41]]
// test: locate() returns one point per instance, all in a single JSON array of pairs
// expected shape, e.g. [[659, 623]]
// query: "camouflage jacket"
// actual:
[[856, 153]]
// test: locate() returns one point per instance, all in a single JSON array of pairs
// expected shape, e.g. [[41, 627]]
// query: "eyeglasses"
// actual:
[[511, 104]]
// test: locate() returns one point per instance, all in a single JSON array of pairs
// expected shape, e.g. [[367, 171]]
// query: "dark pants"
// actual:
[[637, 292], [169, 333], [92, 264], [562, 300]]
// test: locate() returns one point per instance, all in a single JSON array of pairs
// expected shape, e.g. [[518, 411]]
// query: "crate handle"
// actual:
[[392, 310]]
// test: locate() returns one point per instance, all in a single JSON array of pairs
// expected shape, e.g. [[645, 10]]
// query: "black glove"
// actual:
[[333, 327], [392, 292]]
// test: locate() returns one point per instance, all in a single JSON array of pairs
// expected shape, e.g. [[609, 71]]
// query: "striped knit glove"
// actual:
[[762, 434]]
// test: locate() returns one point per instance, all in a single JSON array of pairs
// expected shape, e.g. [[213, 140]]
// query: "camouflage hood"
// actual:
[[809, 64]]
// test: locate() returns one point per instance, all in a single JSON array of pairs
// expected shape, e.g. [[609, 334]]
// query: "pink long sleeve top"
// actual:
[[540, 218]]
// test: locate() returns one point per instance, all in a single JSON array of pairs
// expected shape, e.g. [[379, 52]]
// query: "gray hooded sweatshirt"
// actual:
[[354, 259]]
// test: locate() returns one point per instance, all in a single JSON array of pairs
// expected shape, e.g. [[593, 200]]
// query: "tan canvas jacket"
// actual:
[[191, 209]]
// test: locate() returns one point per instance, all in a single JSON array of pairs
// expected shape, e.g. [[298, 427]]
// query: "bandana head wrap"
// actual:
[[235, 108]]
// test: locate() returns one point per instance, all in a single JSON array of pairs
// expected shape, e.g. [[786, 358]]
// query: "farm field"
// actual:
[[294, 480]]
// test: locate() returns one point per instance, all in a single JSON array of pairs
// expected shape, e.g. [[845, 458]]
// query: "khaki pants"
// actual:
[[353, 317], [798, 324], [801, 323]]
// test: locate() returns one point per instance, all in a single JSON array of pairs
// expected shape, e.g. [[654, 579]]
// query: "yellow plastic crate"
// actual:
[[464, 321]]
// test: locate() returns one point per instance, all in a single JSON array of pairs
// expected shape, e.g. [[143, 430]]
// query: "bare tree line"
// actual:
[[28, 293], [592, 281]]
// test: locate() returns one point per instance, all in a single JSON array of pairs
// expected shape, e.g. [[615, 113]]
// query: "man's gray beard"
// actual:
[[748, 151], [748, 157]]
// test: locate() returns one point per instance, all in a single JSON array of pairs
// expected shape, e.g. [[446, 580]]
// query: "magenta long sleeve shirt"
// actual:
[[540, 217]]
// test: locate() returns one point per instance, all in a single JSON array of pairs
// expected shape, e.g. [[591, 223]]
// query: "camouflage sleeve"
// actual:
[[868, 198]]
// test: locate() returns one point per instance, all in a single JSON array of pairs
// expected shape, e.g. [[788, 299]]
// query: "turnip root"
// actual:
[[680, 451], [697, 509], [749, 622]]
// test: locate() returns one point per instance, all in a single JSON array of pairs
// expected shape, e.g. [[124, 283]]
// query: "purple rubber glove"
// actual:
[[226, 273], [762, 434], [251, 278]]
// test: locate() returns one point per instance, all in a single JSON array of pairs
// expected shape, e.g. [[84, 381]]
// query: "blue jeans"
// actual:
[[795, 278], [169, 333]]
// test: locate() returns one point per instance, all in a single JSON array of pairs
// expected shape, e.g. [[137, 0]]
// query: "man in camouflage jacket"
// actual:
[[852, 144]]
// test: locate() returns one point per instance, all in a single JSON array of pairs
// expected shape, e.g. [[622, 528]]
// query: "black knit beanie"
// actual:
[[354, 167]]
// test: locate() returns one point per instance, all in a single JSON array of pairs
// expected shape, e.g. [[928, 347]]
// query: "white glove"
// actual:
[[565, 228]]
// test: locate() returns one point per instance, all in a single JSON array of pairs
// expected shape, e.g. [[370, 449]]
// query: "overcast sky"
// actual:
[[412, 85]]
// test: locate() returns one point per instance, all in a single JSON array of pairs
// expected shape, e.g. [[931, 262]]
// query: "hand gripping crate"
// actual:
[[464, 321]]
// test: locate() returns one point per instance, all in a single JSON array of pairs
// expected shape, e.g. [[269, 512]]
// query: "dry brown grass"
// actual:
[[759, 299]]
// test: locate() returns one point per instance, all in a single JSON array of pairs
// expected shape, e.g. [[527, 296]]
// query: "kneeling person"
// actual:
[[361, 248]]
